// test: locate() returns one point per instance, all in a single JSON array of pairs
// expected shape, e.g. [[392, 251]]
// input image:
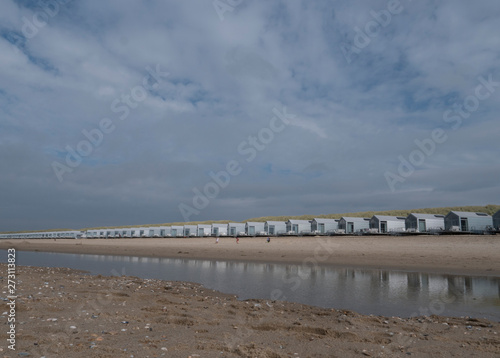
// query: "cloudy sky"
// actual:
[[145, 112]]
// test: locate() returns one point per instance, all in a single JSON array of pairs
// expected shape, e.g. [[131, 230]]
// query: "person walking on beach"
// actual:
[[217, 240], [268, 240], [237, 240]]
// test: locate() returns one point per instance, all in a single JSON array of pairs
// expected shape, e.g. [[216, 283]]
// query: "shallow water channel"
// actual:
[[378, 292]]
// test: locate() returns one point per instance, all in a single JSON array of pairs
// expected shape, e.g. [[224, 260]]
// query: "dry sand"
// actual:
[[65, 313], [474, 255]]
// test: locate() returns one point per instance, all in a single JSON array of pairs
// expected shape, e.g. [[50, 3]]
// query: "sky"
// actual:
[[146, 112]]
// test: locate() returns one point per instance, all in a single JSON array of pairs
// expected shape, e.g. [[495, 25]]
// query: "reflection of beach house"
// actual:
[[204, 230], [235, 229], [467, 221], [496, 220], [384, 224], [352, 225], [324, 226], [416, 222], [275, 227], [219, 229], [298, 227], [254, 228]]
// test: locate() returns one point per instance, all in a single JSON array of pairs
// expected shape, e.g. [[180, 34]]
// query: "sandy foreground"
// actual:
[[65, 313], [473, 255]]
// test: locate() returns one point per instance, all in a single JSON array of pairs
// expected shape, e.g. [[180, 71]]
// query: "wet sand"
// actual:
[[66, 313], [469, 255]]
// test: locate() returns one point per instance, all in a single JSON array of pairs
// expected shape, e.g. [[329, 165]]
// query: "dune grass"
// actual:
[[488, 209]]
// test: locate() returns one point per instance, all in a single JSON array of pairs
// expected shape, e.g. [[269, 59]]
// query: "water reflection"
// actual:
[[389, 293]]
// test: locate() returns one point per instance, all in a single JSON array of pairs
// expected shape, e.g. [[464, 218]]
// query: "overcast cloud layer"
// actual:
[[360, 82]]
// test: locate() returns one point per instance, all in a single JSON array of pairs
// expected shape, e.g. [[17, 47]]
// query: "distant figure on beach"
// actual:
[[217, 240], [268, 240], [237, 240]]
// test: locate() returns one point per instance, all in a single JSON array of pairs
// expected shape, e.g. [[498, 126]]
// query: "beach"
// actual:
[[458, 254], [65, 313], [62, 312]]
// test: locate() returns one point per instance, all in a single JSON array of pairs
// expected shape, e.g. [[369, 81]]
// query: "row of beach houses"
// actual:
[[415, 223]]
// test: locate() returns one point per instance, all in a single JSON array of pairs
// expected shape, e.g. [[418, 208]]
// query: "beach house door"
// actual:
[[321, 228], [216, 231], [251, 230], [271, 229], [463, 224], [383, 226], [232, 231], [421, 225], [350, 228]]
